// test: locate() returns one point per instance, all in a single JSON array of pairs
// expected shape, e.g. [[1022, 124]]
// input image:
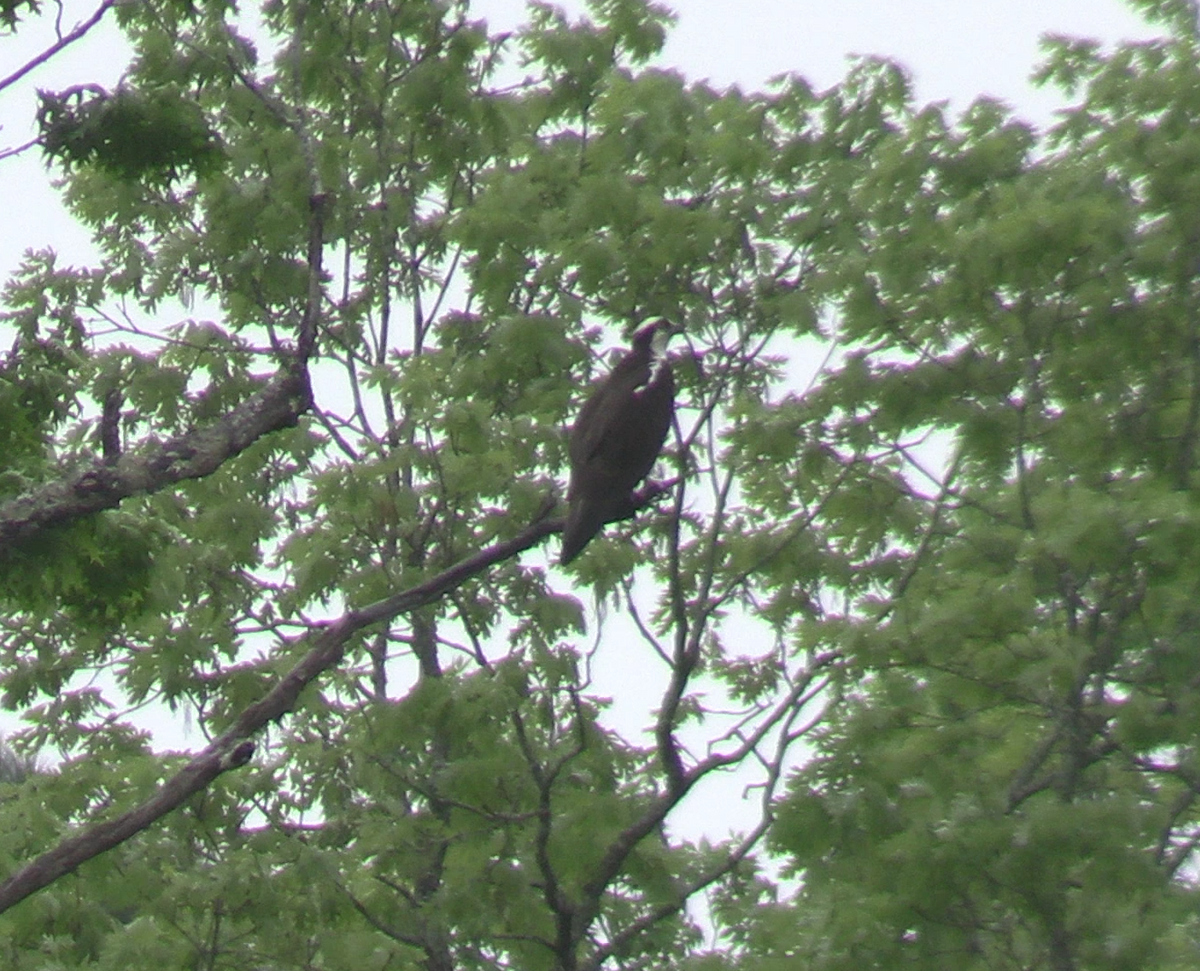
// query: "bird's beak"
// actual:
[[662, 335], [663, 332]]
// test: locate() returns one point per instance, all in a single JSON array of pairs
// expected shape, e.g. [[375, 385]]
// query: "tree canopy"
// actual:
[[285, 467]]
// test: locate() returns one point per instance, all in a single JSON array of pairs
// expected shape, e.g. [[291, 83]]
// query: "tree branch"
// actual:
[[192, 455], [62, 42], [233, 749], [197, 452], [683, 893]]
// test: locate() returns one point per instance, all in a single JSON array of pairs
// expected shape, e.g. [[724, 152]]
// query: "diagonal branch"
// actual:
[[192, 455], [54, 48], [684, 892], [233, 749], [618, 850]]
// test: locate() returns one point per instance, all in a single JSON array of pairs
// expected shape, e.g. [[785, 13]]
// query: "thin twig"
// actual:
[[54, 48]]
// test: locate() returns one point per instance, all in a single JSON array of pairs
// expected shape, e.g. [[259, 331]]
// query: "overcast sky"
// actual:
[[956, 48]]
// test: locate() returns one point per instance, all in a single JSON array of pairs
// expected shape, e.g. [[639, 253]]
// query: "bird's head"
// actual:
[[655, 337]]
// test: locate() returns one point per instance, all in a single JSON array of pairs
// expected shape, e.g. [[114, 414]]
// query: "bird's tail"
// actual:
[[584, 520]]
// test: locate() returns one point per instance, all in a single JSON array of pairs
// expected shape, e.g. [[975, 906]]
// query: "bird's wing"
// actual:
[[619, 438], [595, 424]]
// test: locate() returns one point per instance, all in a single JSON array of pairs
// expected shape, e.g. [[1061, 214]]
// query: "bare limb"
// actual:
[[232, 749], [69, 854], [54, 48], [11, 152], [192, 455]]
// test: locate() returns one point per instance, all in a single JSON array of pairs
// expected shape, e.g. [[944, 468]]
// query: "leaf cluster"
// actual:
[[133, 135]]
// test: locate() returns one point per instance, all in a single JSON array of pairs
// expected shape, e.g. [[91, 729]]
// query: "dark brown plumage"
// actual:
[[617, 437]]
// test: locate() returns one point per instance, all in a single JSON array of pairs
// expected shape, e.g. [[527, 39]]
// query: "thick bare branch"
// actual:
[[192, 455], [232, 749], [96, 839], [197, 452]]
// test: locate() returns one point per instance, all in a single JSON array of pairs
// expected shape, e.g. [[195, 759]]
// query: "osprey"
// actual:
[[617, 437]]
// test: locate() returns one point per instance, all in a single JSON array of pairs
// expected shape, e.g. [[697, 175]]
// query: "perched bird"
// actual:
[[617, 437]]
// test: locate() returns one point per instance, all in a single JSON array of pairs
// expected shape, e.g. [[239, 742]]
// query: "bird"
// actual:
[[617, 437]]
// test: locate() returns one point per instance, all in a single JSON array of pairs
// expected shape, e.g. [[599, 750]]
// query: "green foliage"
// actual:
[[10, 11], [958, 564], [132, 135], [97, 570], [39, 376]]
